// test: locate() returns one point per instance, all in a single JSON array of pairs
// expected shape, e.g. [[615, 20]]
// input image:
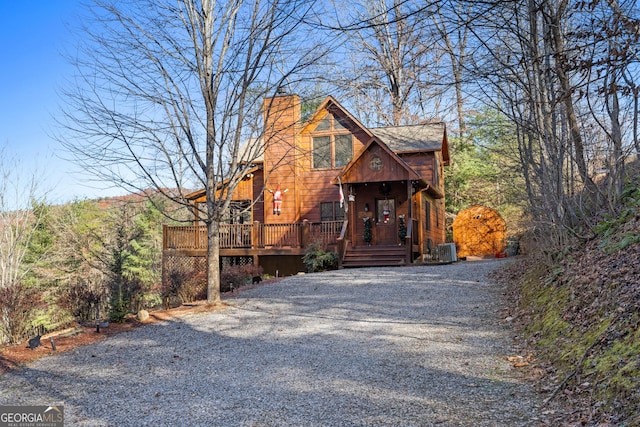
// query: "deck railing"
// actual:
[[184, 237], [233, 236], [279, 235], [256, 235], [326, 232]]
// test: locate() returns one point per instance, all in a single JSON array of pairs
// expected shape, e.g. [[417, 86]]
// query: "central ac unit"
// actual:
[[447, 252]]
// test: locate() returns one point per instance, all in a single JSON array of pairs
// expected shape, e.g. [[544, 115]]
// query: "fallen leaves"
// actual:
[[520, 361]]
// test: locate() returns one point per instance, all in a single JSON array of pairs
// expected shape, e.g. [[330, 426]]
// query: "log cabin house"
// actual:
[[374, 195]]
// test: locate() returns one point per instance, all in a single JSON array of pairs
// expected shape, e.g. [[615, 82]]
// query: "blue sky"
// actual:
[[32, 36]]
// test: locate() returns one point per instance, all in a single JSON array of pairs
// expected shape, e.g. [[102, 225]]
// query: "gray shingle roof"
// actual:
[[425, 137], [400, 139]]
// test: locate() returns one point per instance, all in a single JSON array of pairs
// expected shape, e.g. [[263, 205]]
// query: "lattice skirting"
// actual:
[[195, 266]]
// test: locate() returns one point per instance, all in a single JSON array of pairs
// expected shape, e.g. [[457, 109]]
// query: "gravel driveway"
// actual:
[[412, 346]]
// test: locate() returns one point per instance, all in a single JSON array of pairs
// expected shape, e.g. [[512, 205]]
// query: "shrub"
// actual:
[[86, 297], [194, 287], [17, 306], [183, 287], [317, 259], [235, 276]]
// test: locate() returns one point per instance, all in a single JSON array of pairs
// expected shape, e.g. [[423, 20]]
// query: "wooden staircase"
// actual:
[[374, 256]]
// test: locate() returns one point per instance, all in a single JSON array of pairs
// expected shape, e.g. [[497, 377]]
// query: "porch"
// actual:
[[286, 239], [254, 239]]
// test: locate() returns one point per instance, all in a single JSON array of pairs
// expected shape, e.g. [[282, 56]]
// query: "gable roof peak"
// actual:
[[330, 104]]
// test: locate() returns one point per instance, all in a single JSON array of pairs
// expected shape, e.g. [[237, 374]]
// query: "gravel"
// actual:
[[407, 346]]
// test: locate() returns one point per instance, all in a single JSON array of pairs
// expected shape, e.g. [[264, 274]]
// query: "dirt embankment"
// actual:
[[581, 319]]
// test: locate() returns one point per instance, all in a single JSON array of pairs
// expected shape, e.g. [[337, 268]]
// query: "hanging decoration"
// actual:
[[402, 229], [386, 212], [341, 199], [367, 235], [277, 199]]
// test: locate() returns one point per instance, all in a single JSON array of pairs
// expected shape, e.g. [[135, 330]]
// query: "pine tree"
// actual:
[[402, 229], [368, 235]]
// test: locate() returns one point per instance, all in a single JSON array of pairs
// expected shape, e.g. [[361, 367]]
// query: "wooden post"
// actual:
[[409, 200], [255, 235], [164, 236], [408, 223], [353, 216], [408, 240], [306, 233]]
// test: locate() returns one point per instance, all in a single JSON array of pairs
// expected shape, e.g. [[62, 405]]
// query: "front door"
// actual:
[[386, 227]]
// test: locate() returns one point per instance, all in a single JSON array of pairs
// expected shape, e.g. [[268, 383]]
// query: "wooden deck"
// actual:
[[257, 239], [253, 239]]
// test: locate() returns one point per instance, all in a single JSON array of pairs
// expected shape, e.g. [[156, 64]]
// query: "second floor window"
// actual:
[[330, 148], [321, 152], [343, 147]]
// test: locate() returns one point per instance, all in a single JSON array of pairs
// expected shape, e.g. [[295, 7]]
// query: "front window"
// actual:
[[332, 144], [331, 211], [239, 213], [324, 124]]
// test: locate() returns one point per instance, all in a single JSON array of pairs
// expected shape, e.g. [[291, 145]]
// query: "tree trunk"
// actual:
[[617, 159], [213, 263], [555, 25]]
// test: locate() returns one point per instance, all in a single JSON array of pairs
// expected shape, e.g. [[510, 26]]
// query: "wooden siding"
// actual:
[[244, 191], [282, 118], [436, 231], [422, 163], [315, 184], [390, 169], [258, 196]]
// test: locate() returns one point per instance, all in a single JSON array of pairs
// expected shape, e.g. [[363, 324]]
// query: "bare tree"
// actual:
[[610, 62], [18, 224], [564, 73], [167, 92], [390, 75], [452, 21]]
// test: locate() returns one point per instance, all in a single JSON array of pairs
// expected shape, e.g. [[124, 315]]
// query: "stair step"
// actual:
[[375, 256], [373, 263]]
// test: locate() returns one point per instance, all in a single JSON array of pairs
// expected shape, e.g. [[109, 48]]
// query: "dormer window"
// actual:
[[332, 144]]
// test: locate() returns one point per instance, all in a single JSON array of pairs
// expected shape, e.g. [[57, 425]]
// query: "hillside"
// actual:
[[580, 319]]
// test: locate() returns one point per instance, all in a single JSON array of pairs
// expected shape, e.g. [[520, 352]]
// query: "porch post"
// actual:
[[409, 200], [408, 242], [255, 235], [353, 215], [305, 235]]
